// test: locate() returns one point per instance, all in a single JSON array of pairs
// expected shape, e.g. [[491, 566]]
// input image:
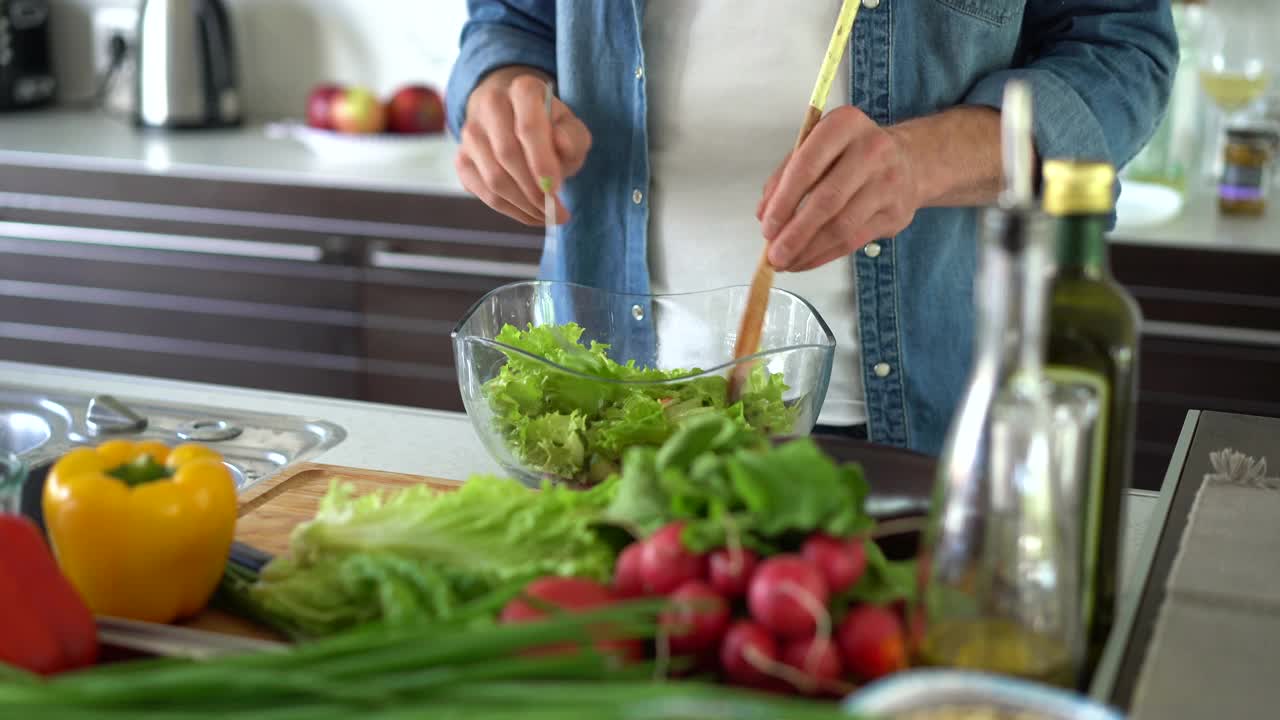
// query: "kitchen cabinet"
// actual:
[[333, 293], [1211, 339]]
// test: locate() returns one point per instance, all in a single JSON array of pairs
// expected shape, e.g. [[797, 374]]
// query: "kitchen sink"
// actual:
[[22, 432], [40, 426]]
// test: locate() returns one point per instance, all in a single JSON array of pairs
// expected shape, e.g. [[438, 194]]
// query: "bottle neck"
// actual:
[[1082, 245], [1009, 336]]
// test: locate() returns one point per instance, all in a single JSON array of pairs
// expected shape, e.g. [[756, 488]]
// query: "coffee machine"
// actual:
[[26, 65]]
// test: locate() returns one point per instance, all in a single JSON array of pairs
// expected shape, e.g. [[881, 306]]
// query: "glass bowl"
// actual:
[[554, 409]]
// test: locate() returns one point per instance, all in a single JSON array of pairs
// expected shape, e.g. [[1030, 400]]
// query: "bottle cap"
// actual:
[[1078, 187]]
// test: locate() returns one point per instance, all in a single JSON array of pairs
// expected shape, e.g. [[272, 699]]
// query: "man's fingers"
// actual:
[[573, 142], [828, 199], [770, 186], [843, 229], [472, 181], [509, 153], [835, 244], [494, 176], [810, 162], [533, 128]]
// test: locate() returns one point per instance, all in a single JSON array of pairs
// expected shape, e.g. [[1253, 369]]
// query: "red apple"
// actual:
[[416, 109], [357, 110], [320, 105]]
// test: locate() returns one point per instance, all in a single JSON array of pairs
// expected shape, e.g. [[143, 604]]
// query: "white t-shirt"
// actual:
[[728, 82]]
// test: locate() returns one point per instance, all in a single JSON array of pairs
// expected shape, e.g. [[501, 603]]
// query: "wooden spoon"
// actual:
[[748, 342]]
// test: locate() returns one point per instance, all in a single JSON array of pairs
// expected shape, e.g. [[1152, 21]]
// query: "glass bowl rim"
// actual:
[[829, 345]]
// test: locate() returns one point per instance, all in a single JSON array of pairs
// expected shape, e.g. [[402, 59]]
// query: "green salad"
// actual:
[[577, 427]]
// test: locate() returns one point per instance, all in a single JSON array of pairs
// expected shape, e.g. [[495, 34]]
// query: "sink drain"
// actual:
[[208, 430]]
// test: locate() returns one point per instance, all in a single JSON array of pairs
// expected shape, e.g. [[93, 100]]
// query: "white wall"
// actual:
[[287, 46]]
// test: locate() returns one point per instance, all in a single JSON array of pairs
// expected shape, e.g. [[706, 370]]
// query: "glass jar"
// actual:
[[1246, 172]]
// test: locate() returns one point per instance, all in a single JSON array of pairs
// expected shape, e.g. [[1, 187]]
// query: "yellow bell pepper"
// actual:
[[141, 530]]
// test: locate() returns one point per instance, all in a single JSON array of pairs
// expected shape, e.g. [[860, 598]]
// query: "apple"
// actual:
[[356, 110], [320, 105], [415, 109]]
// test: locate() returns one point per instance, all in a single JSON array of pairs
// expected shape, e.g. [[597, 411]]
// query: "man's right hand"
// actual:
[[508, 143]]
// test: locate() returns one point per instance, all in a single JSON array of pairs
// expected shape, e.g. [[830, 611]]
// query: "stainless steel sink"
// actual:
[[40, 426], [21, 432]]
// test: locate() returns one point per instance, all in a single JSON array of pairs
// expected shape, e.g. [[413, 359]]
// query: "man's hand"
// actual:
[[847, 184], [508, 144], [852, 181]]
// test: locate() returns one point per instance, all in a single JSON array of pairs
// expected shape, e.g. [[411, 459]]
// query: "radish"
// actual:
[[666, 564], [731, 570], [698, 619], [546, 595], [871, 642], [841, 562], [626, 573], [746, 654], [818, 661], [564, 593], [788, 596]]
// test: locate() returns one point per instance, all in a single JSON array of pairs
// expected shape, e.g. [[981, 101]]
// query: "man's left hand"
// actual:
[[849, 183]]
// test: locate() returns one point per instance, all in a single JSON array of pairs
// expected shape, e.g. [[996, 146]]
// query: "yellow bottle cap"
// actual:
[[1075, 187]]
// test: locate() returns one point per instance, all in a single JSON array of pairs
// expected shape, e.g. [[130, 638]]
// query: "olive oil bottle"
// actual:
[[1093, 338]]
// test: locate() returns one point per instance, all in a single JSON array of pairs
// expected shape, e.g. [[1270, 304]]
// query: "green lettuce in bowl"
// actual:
[[548, 375]]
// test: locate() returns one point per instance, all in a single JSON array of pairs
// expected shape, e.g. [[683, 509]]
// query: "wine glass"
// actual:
[[1234, 68]]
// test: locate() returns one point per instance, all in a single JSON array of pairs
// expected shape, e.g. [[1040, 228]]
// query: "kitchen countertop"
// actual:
[[1200, 226], [381, 437], [94, 141], [83, 140]]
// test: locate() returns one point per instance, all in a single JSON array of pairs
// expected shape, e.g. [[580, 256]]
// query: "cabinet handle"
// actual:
[[1212, 333], [454, 265], [157, 241]]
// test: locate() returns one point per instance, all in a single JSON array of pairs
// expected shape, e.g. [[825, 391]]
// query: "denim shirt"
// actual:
[[1100, 71]]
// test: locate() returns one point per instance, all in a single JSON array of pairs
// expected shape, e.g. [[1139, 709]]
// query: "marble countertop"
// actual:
[[81, 140]]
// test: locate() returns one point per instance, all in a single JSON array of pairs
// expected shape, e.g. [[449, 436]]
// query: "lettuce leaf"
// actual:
[[422, 553], [567, 425], [720, 477]]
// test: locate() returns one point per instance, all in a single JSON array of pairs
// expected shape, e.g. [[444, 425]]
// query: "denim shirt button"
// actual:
[[639, 71], [871, 4], [872, 250], [882, 369], [636, 196], [637, 312]]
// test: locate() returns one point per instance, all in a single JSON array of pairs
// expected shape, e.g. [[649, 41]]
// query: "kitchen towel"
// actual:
[[1214, 647]]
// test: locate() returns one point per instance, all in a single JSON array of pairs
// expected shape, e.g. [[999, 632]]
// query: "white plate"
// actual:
[[379, 148], [1142, 204]]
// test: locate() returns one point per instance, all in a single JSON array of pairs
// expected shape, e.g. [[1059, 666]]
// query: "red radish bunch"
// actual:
[[766, 619]]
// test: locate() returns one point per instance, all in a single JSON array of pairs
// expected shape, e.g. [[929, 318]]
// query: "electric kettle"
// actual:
[[186, 72]]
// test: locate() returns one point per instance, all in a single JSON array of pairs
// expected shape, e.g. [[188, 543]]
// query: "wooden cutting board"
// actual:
[[271, 509]]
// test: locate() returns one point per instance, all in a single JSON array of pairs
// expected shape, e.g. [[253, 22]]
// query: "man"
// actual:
[[671, 115]]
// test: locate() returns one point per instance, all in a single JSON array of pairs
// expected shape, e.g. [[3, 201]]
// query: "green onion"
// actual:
[[436, 671]]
